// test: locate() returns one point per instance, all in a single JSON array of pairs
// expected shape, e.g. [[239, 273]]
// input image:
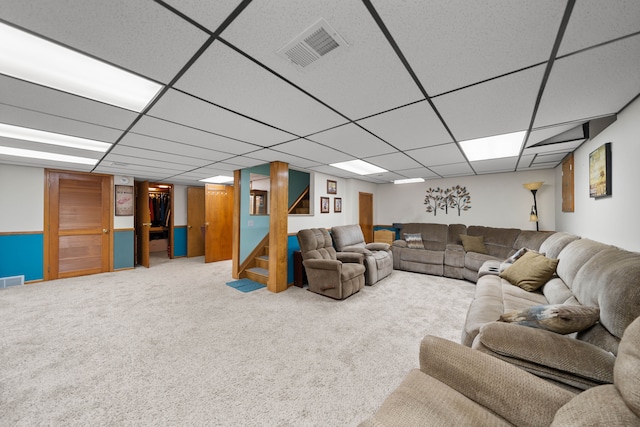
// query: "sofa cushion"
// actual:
[[473, 244], [531, 271], [414, 240], [559, 318], [516, 256]]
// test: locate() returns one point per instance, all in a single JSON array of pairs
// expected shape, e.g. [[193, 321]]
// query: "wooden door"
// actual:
[[218, 213], [195, 220], [365, 215], [143, 223], [567, 184], [78, 211]]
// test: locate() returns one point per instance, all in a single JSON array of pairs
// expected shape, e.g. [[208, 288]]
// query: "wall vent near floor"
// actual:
[[5, 282], [314, 42]]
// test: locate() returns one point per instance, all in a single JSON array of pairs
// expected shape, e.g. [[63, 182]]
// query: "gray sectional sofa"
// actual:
[[444, 254]]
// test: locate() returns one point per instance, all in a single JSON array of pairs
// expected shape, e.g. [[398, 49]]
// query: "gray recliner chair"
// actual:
[[330, 273], [378, 258]]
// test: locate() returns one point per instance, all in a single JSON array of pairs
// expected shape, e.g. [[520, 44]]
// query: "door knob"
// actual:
[[189, 227], [206, 224], [104, 230]]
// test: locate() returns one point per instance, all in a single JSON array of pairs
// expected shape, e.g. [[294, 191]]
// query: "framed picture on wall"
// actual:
[[124, 200], [332, 187], [324, 205], [337, 204], [600, 171]]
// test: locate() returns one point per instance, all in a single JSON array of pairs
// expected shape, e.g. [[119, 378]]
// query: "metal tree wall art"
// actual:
[[442, 199]]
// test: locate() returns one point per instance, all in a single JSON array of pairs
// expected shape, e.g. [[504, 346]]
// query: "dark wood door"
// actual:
[[567, 184], [143, 222], [195, 221], [365, 215], [79, 210], [218, 222]]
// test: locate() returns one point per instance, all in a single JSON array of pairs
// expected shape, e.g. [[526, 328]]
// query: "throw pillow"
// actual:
[[559, 318], [473, 244], [530, 271], [414, 241]]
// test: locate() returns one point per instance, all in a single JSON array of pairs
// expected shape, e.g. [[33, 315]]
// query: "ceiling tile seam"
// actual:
[[378, 19], [63, 117], [547, 72], [390, 110], [180, 73], [174, 155], [598, 45], [284, 79], [509, 73], [253, 119]]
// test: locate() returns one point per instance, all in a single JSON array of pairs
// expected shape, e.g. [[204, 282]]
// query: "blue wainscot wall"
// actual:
[[22, 255]]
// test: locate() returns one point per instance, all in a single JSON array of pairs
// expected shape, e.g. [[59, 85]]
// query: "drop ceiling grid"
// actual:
[[412, 126], [137, 162], [363, 79], [35, 120], [158, 42], [596, 21], [183, 109], [492, 108], [451, 44], [564, 147], [437, 155], [394, 161], [313, 151], [50, 101], [185, 158], [507, 164], [585, 85], [417, 173], [539, 135], [49, 148], [268, 155], [353, 140], [162, 129], [203, 12], [224, 76], [453, 170], [39, 163]]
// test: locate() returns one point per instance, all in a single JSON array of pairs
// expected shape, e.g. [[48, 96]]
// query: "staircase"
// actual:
[[259, 272]]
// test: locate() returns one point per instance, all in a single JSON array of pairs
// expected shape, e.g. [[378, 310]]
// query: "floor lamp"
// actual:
[[533, 187]]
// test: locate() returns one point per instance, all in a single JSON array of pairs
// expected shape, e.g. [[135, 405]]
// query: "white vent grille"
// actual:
[[314, 42], [5, 282]]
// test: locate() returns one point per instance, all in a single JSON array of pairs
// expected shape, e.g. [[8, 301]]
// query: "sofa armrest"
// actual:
[[515, 395], [377, 246], [399, 243], [350, 257], [322, 264], [546, 354]]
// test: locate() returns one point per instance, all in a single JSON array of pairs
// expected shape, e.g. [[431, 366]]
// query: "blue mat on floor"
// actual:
[[245, 285]]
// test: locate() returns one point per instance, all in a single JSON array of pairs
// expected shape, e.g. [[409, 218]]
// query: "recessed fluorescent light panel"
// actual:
[[359, 166], [32, 154], [220, 179], [27, 57], [408, 180], [26, 134], [493, 147]]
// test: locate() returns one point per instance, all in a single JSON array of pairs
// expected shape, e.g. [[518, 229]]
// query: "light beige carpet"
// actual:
[[173, 345]]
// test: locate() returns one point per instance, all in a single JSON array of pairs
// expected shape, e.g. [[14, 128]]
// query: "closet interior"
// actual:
[[160, 218]]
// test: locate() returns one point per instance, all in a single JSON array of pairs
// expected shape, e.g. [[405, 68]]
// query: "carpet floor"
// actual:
[[174, 345]]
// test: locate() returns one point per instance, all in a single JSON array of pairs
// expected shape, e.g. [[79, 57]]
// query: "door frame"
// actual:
[[47, 240]]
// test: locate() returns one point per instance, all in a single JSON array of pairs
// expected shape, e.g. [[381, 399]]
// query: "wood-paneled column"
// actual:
[[278, 226]]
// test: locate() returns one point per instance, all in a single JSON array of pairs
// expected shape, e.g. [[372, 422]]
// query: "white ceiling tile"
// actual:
[[454, 43], [170, 148], [438, 155], [56, 124], [507, 164], [353, 140], [183, 109], [539, 135], [394, 161], [492, 108], [525, 161], [171, 157], [313, 151], [360, 80], [587, 84], [417, 173], [413, 126], [49, 148], [163, 129], [564, 147], [23, 161], [241, 85], [273, 155], [549, 158], [457, 169], [139, 35], [137, 162], [330, 170], [21, 94], [596, 21]]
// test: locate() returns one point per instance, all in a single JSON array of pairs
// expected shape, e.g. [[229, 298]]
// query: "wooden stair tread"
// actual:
[[258, 270]]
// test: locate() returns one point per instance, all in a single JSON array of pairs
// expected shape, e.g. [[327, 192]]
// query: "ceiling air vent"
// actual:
[[314, 42]]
